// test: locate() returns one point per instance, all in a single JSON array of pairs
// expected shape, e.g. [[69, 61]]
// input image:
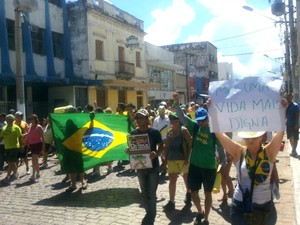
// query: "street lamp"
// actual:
[[20, 7]]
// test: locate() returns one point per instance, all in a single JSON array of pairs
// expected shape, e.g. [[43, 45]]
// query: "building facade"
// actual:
[[199, 60], [108, 44], [225, 71], [162, 71], [47, 65]]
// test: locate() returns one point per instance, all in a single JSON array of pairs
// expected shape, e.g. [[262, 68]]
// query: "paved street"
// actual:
[[114, 199]]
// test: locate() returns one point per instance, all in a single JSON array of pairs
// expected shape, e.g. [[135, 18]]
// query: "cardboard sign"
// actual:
[[249, 104], [139, 151]]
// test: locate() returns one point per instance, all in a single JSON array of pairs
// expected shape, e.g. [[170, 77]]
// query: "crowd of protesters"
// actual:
[[181, 143]]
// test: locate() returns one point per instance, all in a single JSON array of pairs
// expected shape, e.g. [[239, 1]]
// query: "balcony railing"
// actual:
[[124, 70]]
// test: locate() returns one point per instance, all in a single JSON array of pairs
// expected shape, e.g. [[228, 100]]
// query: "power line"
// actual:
[[241, 35], [251, 53]]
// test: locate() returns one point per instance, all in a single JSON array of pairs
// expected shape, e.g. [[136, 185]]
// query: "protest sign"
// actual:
[[139, 151], [248, 104]]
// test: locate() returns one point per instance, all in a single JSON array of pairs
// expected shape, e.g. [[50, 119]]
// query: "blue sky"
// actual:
[[243, 38]]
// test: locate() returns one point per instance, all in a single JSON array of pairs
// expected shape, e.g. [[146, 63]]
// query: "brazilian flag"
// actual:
[[85, 140]]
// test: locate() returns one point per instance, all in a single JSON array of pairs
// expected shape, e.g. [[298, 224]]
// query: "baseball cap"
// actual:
[[142, 112], [246, 135], [163, 103], [18, 113], [161, 109], [200, 114]]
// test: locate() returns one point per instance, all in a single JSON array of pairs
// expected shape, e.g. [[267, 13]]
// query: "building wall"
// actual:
[[225, 71], [65, 95], [161, 70], [112, 26]]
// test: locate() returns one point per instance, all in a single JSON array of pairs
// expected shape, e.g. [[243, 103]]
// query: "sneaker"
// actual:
[[6, 180], [294, 154], [27, 171], [44, 165], [170, 206], [38, 176], [198, 218], [33, 178], [15, 176]]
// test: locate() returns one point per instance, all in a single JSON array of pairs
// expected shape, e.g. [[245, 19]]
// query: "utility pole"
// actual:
[[293, 47], [297, 74], [187, 78]]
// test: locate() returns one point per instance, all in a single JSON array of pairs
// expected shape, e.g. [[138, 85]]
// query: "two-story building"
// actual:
[[108, 45]]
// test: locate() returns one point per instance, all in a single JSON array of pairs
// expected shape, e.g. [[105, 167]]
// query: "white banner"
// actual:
[[249, 104]]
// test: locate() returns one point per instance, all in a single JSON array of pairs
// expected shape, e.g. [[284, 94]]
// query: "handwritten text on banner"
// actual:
[[249, 104]]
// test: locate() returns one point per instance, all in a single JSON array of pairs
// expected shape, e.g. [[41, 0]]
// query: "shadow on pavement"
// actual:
[[223, 211], [108, 198], [183, 216]]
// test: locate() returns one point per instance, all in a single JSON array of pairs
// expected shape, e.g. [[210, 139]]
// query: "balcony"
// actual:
[[124, 70]]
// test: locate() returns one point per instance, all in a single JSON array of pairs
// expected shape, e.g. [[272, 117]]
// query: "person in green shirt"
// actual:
[[202, 168], [11, 134]]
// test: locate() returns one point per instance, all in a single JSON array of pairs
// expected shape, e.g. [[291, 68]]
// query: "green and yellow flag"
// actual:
[[83, 142]]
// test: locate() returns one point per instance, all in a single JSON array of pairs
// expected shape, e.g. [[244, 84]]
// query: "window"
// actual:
[[37, 36], [101, 100], [55, 2], [138, 59], [81, 96], [99, 50], [10, 24], [57, 40], [122, 96]]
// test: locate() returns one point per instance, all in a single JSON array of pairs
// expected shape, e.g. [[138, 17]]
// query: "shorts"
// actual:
[[23, 152], [48, 148], [177, 166], [36, 148], [292, 133], [198, 176], [11, 154]]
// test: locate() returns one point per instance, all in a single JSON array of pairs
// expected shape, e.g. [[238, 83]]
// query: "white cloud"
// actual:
[[168, 23], [253, 32]]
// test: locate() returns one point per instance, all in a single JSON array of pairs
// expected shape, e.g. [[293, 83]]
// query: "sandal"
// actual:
[[71, 189]]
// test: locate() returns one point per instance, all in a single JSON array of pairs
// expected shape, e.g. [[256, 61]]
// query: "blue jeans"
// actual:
[[148, 179], [260, 216], [2, 157]]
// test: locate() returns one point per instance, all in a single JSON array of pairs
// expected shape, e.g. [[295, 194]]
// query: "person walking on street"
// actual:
[[11, 134], [202, 169], [254, 161], [36, 142], [162, 123], [148, 178], [23, 152], [2, 151], [177, 149], [292, 123]]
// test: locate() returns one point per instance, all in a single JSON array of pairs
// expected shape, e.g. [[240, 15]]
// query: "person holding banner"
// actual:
[[148, 178], [252, 202], [202, 168]]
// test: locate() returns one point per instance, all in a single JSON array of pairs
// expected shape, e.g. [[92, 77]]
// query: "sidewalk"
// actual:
[[295, 165]]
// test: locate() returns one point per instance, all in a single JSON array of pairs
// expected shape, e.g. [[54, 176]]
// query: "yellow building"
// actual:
[[108, 45]]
